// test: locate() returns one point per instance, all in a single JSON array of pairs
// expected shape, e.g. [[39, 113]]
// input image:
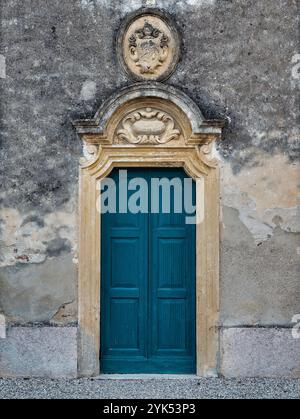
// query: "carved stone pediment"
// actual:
[[150, 120], [147, 126]]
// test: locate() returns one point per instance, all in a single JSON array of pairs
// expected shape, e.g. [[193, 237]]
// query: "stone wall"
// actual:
[[240, 62]]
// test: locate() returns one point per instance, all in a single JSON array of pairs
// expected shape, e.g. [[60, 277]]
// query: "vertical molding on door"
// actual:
[[190, 149]]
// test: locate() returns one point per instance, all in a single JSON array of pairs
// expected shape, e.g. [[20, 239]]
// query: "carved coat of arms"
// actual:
[[148, 48]]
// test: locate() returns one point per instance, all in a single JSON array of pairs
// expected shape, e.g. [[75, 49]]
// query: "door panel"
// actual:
[[171, 318], [124, 294], [125, 254], [172, 284], [124, 314], [148, 288], [171, 266]]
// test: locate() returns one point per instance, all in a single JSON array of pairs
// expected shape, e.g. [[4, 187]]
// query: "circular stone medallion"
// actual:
[[149, 47]]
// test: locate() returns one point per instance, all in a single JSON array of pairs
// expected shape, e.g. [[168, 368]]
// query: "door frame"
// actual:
[[192, 150]]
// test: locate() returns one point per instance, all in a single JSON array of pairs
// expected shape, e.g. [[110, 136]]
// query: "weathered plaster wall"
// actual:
[[240, 61]]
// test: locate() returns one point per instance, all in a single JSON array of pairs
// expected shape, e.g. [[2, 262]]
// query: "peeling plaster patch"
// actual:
[[58, 246], [288, 219], [35, 293], [65, 313], [235, 198], [28, 240], [266, 196], [88, 91], [2, 67], [262, 227], [274, 183]]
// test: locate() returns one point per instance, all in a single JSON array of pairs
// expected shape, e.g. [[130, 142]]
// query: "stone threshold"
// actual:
[[137, 377]]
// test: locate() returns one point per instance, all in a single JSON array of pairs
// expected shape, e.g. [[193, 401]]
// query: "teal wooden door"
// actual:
[[148, 285]]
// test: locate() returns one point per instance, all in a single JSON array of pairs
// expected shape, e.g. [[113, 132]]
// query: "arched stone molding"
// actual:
[[149, 125]]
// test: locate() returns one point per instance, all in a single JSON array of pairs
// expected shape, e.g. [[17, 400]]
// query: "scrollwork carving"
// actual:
[[148, 126], [90, 153], [206, 152]]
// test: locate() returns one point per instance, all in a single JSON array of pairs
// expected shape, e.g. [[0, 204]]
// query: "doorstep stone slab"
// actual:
[[49, 352], [260, 352]]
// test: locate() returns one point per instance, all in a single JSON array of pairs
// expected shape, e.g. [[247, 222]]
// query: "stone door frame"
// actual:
[[192, 150]]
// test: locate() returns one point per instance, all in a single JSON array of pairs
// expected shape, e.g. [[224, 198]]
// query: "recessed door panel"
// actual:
[[125, 264]]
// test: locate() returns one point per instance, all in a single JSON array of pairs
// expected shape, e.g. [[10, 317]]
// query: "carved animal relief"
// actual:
[[148, 126], [150, 48]]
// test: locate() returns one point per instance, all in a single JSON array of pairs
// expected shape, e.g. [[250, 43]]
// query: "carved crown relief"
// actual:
[[150, 47], [147, 126]]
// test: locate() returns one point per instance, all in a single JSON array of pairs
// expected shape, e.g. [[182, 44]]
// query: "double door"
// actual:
[[148, 283]]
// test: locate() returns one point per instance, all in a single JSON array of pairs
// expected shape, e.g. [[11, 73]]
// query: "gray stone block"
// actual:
[[39, 352], [260, 352]]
